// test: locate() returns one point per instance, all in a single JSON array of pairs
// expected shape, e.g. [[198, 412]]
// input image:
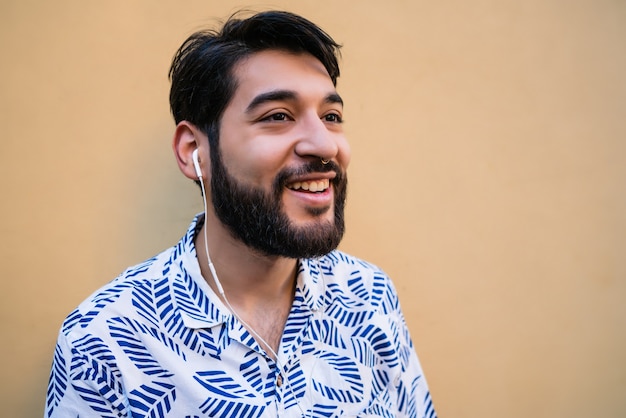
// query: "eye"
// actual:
[[333, 117], [276, 117]]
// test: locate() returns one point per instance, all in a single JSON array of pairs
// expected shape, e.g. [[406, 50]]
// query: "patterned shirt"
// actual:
[[158, 342]]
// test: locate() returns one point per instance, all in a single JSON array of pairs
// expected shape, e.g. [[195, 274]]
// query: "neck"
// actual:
[[259, 288], [242, 271]]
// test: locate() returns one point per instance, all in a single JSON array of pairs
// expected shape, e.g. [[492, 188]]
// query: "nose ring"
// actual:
[[324, 161]]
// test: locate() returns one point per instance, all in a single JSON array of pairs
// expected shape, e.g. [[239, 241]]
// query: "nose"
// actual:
[[317, 139]]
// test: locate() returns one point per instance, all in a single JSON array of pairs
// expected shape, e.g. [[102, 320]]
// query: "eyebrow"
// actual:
[[334, 98], [286, 95]]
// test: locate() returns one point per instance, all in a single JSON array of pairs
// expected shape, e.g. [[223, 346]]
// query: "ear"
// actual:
[[188, 138]]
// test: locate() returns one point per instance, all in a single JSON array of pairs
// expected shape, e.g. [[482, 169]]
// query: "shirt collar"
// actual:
[[311, 282], [200, 306]]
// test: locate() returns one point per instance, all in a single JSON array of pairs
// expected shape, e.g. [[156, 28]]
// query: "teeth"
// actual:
[[311, 186]]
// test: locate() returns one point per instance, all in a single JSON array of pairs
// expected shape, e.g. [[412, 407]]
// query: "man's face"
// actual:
[[268, 183]]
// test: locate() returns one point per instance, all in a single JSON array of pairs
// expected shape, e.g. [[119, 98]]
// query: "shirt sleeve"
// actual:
[[84, 381], [414, 399]]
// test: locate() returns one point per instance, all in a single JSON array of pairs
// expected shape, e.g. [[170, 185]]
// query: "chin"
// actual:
[[313, 216]]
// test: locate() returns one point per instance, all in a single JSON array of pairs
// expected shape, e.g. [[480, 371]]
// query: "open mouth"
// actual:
[[313, 186]]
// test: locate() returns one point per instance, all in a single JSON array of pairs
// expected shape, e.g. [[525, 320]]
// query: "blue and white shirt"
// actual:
[[158, 342]]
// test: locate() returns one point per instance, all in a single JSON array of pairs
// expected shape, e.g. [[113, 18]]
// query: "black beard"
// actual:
[[256, 217]]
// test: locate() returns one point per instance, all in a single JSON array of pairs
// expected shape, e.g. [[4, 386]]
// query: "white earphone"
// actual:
[[196, 163]]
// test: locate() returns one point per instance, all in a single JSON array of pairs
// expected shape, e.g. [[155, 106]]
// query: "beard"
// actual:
[[257, 218]]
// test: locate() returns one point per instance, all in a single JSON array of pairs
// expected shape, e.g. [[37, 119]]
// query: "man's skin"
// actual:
[[285, 112]]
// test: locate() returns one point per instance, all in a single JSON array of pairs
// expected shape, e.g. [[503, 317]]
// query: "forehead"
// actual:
[[272, 70]]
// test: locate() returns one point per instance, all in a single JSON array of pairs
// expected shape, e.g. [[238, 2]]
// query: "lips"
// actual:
[[311, 186]]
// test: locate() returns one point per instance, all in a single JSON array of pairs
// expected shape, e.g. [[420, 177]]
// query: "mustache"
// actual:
[[315, 166]]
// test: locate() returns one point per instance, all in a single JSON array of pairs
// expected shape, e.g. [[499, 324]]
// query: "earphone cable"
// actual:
[[230, 307]]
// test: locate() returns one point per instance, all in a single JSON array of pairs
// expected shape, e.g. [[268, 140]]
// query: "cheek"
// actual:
[[256, 164]]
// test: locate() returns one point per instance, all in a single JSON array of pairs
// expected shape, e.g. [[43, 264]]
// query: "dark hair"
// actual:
[[202, 75]]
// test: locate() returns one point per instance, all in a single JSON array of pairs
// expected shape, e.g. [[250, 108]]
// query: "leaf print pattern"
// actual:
[[156, 342]]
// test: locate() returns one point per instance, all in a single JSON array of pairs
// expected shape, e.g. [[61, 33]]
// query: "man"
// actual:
[[253, 313]]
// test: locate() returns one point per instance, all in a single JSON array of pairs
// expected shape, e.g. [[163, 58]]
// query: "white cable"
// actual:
[[230, 307]]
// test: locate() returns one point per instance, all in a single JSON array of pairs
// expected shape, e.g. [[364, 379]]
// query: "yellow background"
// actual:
[[488, 179]]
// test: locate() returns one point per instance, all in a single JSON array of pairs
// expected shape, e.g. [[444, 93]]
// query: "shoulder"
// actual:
[[339, 261], [116, 298], [358, 279]]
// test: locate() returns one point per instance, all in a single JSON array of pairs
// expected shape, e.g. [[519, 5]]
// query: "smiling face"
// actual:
[[268, 183]]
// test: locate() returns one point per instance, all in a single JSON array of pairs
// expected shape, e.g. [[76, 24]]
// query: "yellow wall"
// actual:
[[488, 179]]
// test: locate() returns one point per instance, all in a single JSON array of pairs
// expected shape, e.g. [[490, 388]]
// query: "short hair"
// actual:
[[202, 74]]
